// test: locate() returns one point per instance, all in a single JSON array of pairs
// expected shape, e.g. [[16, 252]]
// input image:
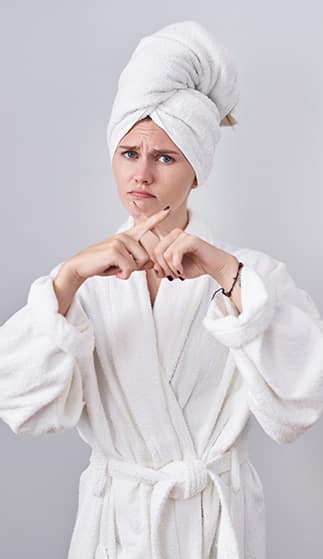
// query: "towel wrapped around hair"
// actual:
[[186, 82]]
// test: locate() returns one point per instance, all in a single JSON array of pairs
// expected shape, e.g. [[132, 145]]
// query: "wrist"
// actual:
[[69, 276], [66, 284], [226, 274], [229, 279]]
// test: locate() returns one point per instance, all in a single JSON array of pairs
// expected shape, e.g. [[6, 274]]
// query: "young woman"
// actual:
[[160, 342]]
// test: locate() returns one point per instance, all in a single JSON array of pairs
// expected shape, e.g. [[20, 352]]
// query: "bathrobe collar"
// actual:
[[147, 345]]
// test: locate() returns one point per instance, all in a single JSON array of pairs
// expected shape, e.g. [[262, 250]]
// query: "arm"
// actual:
[[65, 284], [277, 344], [43, 357], [226, 278]]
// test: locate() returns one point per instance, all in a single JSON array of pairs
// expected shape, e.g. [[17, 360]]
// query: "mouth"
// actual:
[[140, 194]]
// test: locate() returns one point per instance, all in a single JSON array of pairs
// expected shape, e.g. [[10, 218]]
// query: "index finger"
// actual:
[[148, 223], [141, 217]]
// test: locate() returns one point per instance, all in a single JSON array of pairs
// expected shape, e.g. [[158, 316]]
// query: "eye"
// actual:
[[159, 156], [165, 155], [128, 151]]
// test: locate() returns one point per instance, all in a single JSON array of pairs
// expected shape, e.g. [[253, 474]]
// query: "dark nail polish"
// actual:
[[180, 277], [179, 273], [170, 278], [167, 207]]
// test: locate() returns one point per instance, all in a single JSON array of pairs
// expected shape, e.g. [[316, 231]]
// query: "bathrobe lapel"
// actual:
[[175, 309], [147, 344]]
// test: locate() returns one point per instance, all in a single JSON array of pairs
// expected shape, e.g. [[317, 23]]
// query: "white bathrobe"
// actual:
[[163, 397]]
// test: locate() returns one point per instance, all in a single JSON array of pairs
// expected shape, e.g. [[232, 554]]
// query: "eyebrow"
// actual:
[[156, 150]]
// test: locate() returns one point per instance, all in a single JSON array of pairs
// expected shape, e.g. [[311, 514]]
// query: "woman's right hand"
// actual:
[[120, 255]]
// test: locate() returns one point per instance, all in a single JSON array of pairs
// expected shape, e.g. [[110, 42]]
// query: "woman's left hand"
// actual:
[[182, 254], [179, 253]]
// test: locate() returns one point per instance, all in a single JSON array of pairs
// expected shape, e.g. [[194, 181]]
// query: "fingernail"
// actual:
[[156, 271], [179, 273], [170, 278], [167, 208], [180, 277]]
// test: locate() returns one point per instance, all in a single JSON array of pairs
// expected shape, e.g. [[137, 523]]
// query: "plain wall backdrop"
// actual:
[[60, 62]]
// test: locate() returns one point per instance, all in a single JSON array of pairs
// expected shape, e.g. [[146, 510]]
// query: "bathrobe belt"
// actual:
[[179, 479]]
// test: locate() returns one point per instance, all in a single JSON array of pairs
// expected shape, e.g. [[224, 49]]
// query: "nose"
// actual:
[[143, 170]]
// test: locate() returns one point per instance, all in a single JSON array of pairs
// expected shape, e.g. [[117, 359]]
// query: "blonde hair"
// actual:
[[229, 120]]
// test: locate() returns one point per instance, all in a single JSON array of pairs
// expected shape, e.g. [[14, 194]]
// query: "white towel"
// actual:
[[187, 82]]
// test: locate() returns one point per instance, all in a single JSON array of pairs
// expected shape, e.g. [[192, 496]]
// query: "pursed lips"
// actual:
[[142, 194]]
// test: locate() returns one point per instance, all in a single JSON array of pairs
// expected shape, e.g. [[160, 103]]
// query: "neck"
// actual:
[[180, 219]]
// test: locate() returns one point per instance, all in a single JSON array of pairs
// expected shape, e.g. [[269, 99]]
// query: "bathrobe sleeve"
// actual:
[[43, 358], [277, 344]]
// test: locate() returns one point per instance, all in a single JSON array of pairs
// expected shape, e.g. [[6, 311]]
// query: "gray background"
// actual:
[[60, 62]]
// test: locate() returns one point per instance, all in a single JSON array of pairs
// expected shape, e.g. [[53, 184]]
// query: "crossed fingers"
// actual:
[[150, 238], [148, 225]]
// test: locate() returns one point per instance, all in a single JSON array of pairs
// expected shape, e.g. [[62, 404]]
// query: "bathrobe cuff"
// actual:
[[258, 305], [73, 333]]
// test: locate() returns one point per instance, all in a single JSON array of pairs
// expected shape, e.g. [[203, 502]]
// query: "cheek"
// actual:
[[120, 180], [120, 174], [179, 177], [119, 164]]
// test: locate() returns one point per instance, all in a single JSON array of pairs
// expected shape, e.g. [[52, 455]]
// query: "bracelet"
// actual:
[[228, 293]]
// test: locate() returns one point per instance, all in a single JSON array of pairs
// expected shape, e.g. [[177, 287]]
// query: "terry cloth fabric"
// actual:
[[163, 396], [187, 82]]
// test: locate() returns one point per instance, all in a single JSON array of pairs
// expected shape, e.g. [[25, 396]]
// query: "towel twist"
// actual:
[[187, 82]]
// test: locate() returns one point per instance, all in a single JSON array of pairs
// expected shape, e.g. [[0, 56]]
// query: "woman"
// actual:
[[160, 342]]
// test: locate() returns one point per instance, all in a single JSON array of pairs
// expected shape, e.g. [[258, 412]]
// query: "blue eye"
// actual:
[[128, 151], [161, 155], [169, 157]]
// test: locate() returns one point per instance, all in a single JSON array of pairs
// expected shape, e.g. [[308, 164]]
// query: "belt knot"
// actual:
[[190, 476]]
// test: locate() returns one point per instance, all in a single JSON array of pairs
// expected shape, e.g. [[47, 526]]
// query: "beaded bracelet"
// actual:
[[228, 293]]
